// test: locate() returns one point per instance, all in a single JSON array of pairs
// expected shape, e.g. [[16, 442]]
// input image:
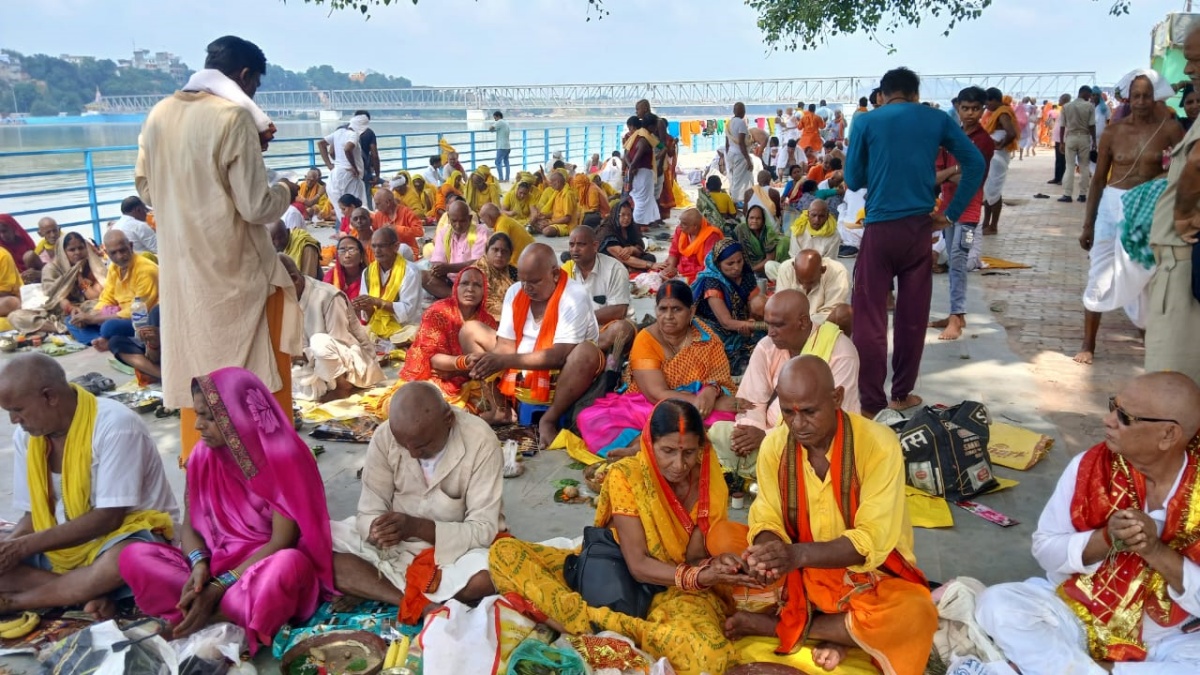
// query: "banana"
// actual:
[[389, 661], [20, 627]]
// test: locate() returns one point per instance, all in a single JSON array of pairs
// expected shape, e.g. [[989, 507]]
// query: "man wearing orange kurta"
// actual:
[[408, 225], [810, 129], [830, 522]]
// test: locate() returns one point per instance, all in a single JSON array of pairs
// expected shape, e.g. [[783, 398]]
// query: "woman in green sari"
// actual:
[[759, 241]]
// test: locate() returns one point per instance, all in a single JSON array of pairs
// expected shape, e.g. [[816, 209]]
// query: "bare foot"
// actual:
[[101, 609], [547, 431], [1084, 357], [828, 655], [743, 624], [910, 401], [100, 344], [940, 323], [498, 417], [954, 325], [342, 389]]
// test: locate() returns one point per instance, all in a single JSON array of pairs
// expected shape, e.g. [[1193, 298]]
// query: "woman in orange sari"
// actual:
[[664, 504], [676, 357], [453, 185]]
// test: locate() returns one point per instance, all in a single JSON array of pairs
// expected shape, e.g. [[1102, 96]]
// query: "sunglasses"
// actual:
[[1126, 419]]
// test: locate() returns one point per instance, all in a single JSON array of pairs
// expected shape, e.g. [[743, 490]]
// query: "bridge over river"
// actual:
[[697, 94]]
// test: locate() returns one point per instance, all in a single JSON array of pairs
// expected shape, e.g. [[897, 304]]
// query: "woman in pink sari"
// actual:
[[256, 543]]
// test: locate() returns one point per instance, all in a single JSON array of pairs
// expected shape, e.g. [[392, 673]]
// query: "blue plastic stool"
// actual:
[[527, 411]]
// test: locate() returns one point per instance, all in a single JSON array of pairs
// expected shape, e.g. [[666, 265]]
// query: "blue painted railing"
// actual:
[[92, 181]]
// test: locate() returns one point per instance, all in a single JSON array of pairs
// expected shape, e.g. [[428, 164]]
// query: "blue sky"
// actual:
[[464, 42]]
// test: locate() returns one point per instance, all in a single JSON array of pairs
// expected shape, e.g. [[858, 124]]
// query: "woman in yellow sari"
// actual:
[[496, 264], [453, 185], [419, 196], [519, 199], [663, 503], [481, 189]]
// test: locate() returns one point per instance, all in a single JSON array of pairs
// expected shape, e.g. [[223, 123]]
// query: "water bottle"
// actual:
[[139, 314]]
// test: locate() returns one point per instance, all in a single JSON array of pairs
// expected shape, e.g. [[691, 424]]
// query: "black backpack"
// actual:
[[945, 451]]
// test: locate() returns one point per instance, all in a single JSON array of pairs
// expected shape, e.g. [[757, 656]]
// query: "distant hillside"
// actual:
[[56, 86]]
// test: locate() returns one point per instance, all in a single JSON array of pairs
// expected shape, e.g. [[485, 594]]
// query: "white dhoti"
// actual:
[[645, 205], [343, 182], [1042, 636], [740, 176], [1114, 279], [826, 246], [328, 360], [393, 563], [993, 187]]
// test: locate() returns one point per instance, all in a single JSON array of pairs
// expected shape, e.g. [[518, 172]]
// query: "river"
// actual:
[[290, 150]]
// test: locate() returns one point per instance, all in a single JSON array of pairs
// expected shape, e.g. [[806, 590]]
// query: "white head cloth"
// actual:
[[1162, 88], [218, 84], [358, 123]]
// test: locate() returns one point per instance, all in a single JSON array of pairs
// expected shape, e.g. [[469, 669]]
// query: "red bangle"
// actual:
[[1105, 535]]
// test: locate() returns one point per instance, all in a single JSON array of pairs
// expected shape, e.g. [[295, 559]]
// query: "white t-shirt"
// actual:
[[292, 218], [142, 238], [576, 319], [608, 284], [337, 141], [127, 471], [737, 126], [432, 176]]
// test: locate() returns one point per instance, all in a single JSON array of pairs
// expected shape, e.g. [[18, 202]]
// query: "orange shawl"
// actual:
[[834, 584], [536, 381], [1112, 600], [693, 247]]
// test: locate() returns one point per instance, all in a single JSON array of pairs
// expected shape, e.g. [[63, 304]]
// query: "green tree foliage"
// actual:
[[594, 7], [806, 24]]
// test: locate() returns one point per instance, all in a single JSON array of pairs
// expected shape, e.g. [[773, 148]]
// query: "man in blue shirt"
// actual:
[[892, 154]]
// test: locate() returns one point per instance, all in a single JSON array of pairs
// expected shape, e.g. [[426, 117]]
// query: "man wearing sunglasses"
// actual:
[[1118, 540]]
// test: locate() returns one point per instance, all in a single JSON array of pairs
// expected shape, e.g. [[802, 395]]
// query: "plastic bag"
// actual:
[[512, 466], [211, 651], [535, 656], [662, 667], [105, 649]]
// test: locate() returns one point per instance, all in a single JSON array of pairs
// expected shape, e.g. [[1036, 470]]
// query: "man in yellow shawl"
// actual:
[[390, 293], [312, 195], [88, 481], [413, 192], [481, 189], [299, 245], [815, 230], [1000, 122], [498, 222], [593, 203], [790, 333], [518, 202], [557, 213], [830, 521]]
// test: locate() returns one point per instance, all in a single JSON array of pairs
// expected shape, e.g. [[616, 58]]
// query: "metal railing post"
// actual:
[[91, 190], [587, 156], [524, 149], [567, 143], [312, 152], [404, 152], [474, 160], [603, 138], [546, 145]]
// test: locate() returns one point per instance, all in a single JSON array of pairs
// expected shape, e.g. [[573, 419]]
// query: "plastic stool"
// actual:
[[526, 413]]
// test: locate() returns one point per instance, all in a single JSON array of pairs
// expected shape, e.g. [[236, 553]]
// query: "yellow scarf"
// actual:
[[820, 342], [383, 322], [801, 224], [991, 122], [651, 139], [298, 240], [472, 237], [77, 489]]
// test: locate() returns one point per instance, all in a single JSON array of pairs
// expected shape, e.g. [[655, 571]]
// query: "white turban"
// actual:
[[1162, 88], [358, 123], [399, 182]]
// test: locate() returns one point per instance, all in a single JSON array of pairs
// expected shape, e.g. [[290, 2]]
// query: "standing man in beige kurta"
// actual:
[[1173, 317], [227, 301]]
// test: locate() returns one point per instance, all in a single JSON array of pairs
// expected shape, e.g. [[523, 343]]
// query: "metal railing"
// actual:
[[84, 186]]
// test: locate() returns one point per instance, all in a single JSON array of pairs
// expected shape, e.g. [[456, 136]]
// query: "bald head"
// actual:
[[809, 402], [384, 199], [1165, 395], [810, 267], [119, 250], [788, 323], [420, 419], [764, 178], [459, 215], [48, 229], [489, 213], [35, 392], [279, 235], [805, 374], [537, 257]]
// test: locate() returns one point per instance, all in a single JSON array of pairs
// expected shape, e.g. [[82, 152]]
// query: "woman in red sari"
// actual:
[[436, 355], [348, 265]]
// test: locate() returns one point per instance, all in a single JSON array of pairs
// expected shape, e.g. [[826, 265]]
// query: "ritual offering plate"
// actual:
[[346, 652], [139, 401]]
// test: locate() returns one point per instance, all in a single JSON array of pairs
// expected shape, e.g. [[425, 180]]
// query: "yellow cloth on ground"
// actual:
[[1016, 448], [1002, 264], [77, 489], [575, 447], [926, 510], [762, 650], [682, 201], [141, 281], [383, 321], [10, 278], [686, 628]]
